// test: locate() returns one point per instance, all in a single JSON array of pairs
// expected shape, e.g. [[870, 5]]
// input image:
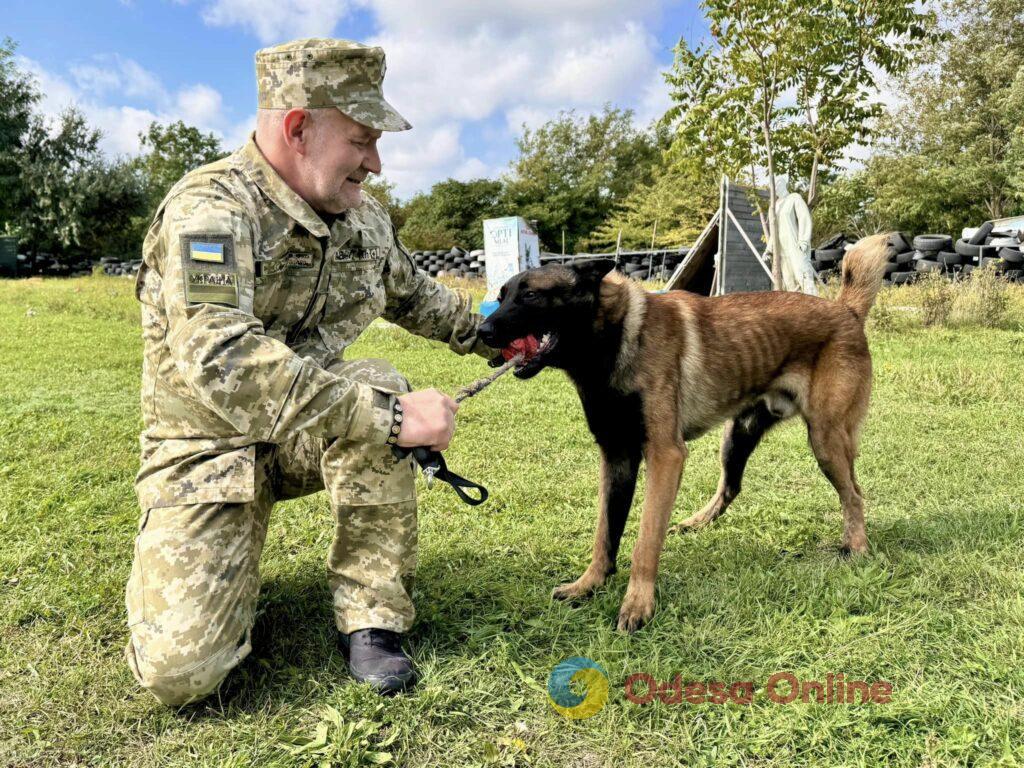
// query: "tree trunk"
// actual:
[[812, 188], [773, 219]]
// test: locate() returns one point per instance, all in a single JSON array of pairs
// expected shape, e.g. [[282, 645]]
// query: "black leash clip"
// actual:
[[434, 466]]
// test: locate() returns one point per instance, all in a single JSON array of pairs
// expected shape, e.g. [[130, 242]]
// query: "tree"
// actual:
[[953, 151], [169, 152], [668, 212], [451, 214], [383, 191], [786, 85], [18, 96], [50, 204], [572, 172], [72, 203]]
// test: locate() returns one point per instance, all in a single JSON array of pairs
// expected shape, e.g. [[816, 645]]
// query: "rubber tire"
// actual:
[[983, 232], [949, 258], [926, 265], [829, 254], [905, 257], [834, 243], [1011, 255], [933, 243], [902, 278], [1014, 275], [972, 250], [901, 242], [891, 267]]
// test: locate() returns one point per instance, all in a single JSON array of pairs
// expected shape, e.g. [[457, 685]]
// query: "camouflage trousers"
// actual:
[[192, 592]]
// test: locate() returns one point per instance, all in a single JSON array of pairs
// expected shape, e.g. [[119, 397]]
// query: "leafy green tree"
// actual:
[[668, 212], [785, 86], [18, 96], [572, 172], [953, 154], [452, 213], [169, 152], [51, 202], [115, 211], [71, 202], [383, 191]]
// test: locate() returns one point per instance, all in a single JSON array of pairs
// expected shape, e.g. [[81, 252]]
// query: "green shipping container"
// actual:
[[8, 255]]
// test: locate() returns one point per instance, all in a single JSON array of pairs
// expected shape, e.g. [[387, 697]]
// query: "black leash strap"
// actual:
[[435, 467]]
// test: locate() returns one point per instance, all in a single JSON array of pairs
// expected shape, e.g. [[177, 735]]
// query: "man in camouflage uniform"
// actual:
[[259, 270]]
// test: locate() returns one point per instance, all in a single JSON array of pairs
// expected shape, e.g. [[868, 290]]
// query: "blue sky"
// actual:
[[466, 74]]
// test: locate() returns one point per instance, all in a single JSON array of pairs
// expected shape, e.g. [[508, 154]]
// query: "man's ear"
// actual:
[[296, 127], [592, 271]]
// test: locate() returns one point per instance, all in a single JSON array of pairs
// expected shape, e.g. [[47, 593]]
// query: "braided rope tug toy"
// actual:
[[433, 463]]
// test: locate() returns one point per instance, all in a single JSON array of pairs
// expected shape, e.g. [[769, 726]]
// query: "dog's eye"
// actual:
[[528, 295]]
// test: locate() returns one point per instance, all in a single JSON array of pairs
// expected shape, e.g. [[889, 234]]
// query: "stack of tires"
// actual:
[[900, 268], [827, 259], [454, 262], [935, 253], [982, 248], [639, 265], [651, 265], [988, 246], [117, 268], [44, 264]]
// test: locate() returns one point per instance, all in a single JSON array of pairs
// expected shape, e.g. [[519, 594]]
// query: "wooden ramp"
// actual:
[[728, 255]]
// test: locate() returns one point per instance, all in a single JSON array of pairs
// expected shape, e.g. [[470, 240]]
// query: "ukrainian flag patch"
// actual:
[[212, 253]]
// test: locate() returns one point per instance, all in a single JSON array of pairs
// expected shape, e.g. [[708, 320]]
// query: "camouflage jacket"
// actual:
[[247, 298]]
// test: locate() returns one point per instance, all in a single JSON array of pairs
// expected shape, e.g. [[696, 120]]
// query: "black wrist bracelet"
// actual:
[[396, 423]]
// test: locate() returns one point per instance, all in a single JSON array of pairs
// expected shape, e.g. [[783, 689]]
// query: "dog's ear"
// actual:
[[591, 272]]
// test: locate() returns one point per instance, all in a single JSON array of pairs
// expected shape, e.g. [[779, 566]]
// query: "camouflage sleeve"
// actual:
[[252, 381], [427, 308]]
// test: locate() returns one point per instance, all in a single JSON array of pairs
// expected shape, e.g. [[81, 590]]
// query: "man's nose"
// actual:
[[371, 161]]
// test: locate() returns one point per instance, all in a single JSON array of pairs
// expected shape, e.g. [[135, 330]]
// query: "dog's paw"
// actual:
[[636, 611], [689, 525], [580, 589], [854, 547]]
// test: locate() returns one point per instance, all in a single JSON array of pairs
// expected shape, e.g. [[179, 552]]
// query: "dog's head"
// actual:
[[558, 301]]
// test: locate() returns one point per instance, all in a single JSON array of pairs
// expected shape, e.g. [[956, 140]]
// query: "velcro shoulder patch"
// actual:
[[208, 249], [210, 270], [206, 287], [211, 252]]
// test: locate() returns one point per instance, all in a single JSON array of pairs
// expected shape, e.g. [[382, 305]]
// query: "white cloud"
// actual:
[[521, 61], [276, 21], [198, 104], [455, 68], [117, 75]]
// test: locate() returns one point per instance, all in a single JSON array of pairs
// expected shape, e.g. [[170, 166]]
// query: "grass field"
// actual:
[[936, 609]]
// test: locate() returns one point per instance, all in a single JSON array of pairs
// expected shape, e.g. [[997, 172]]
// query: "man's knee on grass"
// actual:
[[183, 678]]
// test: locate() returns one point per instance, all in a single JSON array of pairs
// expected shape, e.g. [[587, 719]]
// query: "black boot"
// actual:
[[375, 656]]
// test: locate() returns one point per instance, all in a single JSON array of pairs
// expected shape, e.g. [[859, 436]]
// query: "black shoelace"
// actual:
[[385, 640]]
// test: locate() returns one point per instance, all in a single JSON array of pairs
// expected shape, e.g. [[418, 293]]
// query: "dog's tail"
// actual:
[[863, 270]]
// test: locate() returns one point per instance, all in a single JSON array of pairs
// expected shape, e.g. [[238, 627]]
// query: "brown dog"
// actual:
[[656, 370]]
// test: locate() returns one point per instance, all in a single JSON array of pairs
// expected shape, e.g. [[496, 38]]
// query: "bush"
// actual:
[[935, 294], [982, 299]]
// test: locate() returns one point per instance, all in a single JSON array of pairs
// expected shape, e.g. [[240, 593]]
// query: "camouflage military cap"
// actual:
[[317, 73]]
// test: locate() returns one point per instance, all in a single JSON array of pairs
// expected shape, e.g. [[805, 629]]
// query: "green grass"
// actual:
[[936, 609]]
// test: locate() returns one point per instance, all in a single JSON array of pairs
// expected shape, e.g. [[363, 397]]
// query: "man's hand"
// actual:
[[428, 419]]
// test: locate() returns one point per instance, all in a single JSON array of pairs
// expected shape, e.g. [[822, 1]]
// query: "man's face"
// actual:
[[341, 154]]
